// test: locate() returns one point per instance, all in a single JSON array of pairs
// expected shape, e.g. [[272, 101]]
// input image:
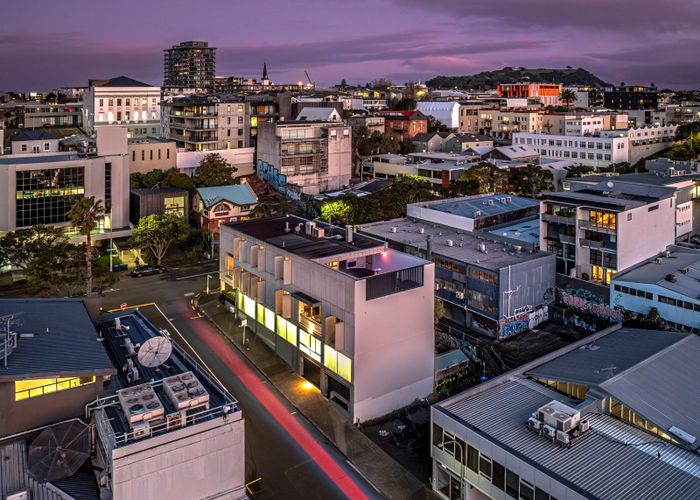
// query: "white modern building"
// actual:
[[305, 157], [446, 112], [40, 188], [669, 283], [596, 151], [603, 229], [122, 101], [343, 310]]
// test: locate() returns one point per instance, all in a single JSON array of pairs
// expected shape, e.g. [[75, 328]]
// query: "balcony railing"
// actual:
[[586, 224], [565, 238], [558, 219], [591, 243]]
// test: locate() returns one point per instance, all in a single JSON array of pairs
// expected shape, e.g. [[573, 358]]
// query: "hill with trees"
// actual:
[[489, 79]]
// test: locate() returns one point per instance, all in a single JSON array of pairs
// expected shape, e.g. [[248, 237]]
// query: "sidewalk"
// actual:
[[373, 463]]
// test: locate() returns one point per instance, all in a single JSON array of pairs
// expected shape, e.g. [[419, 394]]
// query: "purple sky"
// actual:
[[46, 44]]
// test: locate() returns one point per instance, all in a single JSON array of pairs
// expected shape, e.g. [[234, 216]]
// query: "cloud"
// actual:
[[616, 15]]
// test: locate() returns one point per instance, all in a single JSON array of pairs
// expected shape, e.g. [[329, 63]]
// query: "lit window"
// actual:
[[25, 389]]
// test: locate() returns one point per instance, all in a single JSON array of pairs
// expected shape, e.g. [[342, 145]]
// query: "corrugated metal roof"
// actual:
[[64, 340], [614, 460], [239, 194], [664, 388]]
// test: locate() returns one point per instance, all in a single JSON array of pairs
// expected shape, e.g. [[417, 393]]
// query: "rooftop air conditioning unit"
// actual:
[[559, 416], [309, 226], [141, 430], [318, 232], [490, 202], [503, 199], [393, 229], [459, 295], [450, 243], [477, 213], [421, 230]]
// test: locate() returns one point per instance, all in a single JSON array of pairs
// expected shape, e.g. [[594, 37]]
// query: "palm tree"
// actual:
[[568, 97], [85, 215]]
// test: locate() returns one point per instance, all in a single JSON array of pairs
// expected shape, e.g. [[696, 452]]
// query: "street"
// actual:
[[286, 457]]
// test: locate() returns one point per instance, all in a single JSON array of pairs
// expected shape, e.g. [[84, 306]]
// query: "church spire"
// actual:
[[264, 76]]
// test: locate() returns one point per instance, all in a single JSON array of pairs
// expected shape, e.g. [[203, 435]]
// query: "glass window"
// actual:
[[527, 492], [512, 483], [473, 459], [541, 494], [485, 466], [499, 475], [25, 389]]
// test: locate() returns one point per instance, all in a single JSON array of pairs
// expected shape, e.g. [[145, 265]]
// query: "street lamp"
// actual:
[[461, 465]]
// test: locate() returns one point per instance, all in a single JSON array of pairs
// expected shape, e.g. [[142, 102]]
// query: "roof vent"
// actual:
[[450, 243], [671, 278], [421, 230], [393, 229]]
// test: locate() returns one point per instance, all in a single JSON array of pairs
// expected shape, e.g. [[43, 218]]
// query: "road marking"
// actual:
[[132, 307], [197, 317], [189, 294], [195, 275], [211, 372], [111, 290], [293, 413], [247, 486]]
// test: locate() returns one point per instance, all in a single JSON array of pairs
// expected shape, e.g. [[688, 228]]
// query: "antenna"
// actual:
[[155, 351]]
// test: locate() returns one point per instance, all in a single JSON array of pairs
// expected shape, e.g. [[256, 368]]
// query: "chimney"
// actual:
[[348, 233], [429, 245]]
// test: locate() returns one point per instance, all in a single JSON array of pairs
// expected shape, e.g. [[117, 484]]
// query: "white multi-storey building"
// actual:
[[122, 101], [344, 311], [596, 151], [602, 229]]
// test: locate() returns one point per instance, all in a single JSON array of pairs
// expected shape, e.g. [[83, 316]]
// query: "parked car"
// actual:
[[147, 270], [120, 267]]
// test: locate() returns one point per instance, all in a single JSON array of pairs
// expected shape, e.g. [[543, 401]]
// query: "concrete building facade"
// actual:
[[124, 102], [146, 154], [305, 157], [341, 309], [190, 65]]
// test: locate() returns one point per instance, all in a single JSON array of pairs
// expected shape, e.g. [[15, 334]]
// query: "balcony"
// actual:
[[586, 224], [558, 219], [591, 243], [565, 238]]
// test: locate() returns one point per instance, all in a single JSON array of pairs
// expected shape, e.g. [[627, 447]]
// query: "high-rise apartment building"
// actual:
[[190, 65]]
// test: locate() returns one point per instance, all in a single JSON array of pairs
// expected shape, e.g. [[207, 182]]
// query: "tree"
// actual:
[[438, 311], [19, 248], [531, 180], [403, 104], [272, 208], [214, 170], [568, 97], [482, 178], [61, 271], [85, 215], [176, 179], [158, 232], [579, 170], [381, 83]]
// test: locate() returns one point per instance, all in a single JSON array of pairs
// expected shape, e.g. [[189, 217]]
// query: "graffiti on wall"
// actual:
[[588, 302], [511, 326], [273, 176]]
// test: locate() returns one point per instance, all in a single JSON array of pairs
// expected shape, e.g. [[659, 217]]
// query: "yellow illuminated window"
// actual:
[[239, 302], [261, 314], [269, 319], [253, 121], [345, 367], [287, 330], [248, 306], [25, 389], [330, 358]]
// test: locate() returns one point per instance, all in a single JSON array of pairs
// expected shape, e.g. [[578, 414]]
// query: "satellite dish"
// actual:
[[155, 351]]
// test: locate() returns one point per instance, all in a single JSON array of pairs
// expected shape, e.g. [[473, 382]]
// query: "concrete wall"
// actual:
[[202, 461], [242, 159], [647, 234], [394, 348], [641, 305], [146, 156], [18, 416], [41, 146]]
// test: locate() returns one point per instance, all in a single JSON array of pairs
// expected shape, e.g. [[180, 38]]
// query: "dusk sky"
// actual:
[[46, 44]]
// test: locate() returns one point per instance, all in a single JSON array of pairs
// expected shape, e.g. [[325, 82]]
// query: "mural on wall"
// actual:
[[586, 301], [273, 176], [525, 318]]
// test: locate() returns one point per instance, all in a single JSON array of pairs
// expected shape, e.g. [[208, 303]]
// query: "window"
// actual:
[[159, 153], [485, 466], [337, 362], [47, 146], [102, 102], [151, 154], [541, 494], [512, 483], [473, 459], [143, 155], [629, 216], [527, 491], [128, 101], [652, 208], [24, 148], [25, 389], [45, 196], [119, 102], [498, 477], [287, 330], [310, 345], [111, 102]]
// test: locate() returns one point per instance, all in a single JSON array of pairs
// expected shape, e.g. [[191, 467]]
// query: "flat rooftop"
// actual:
[[488, 205], [56, 338], [682, 266], [650, 372], [466, 247], [273, 232], [21, 159], [643, 178], [135, 329], [527, 231]]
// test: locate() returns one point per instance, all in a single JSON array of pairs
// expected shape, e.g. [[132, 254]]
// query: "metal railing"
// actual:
[[57, 386]]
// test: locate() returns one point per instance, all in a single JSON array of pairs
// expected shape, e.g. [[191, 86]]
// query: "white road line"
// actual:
[[189, 345], [189, 294], [195, 275]]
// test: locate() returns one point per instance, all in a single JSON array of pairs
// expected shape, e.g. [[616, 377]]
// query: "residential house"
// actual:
[[213, 206]]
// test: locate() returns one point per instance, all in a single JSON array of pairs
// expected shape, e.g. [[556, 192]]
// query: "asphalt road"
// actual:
[[286, 457]]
